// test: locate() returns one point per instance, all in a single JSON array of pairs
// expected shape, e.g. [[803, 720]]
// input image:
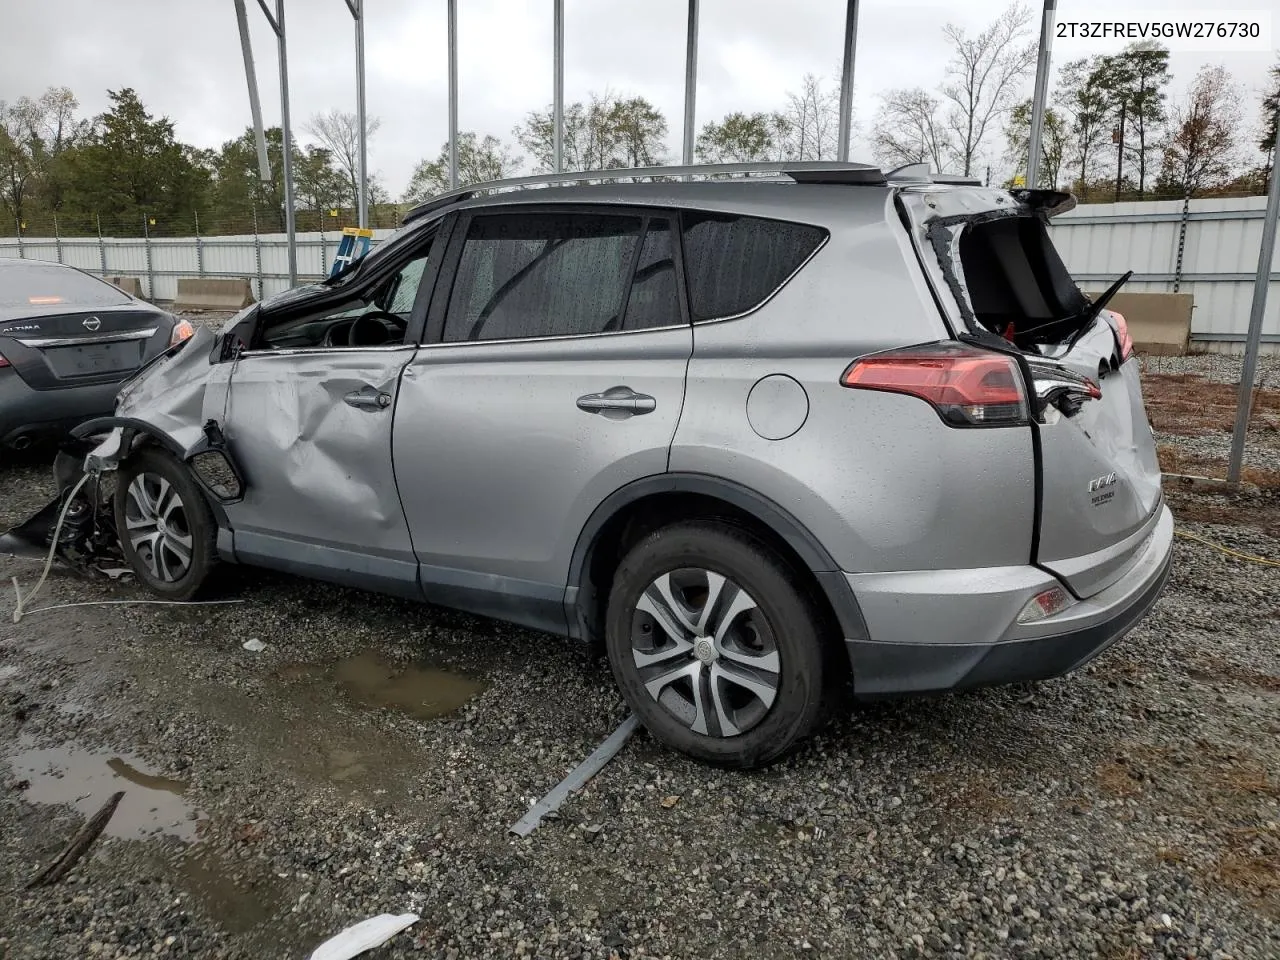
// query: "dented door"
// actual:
[[311, 430]]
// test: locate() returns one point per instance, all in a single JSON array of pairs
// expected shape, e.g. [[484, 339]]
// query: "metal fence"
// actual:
[[1208, 248], [1210, 252]]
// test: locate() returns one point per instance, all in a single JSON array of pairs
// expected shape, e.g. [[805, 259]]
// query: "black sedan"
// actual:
[[67, 339]]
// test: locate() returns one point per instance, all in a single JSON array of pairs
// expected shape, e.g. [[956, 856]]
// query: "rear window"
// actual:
[[733, 264], [47, 284]]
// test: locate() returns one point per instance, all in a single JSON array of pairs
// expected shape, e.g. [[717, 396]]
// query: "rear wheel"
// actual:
[[714, 646], [166, 529]]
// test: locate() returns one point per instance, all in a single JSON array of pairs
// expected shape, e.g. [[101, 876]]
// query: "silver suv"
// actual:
[[757, 435]]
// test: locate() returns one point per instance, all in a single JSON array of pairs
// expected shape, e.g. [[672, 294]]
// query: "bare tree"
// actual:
[[1202, 150], [607, 131], [339, 133], [909, 129], [985, 72], [811, 127]]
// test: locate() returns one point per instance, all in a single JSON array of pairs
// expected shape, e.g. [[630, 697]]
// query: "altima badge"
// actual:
[[93, 323]]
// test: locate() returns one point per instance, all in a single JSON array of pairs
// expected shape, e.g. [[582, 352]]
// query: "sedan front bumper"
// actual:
[[933, 631]]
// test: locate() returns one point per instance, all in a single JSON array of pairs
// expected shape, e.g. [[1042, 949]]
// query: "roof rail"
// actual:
[[812, 171], [799, 171]]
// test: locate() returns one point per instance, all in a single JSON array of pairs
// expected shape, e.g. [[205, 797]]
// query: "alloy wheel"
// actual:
[[705, 651], [157, 526]]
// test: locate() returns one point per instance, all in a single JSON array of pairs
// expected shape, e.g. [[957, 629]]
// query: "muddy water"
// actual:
[[85, 779], [422, 692]]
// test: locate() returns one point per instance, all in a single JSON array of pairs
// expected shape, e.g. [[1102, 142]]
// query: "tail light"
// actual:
[[968, 386], [4, 362], [1122, 334], [1045, 604], [182, 330]]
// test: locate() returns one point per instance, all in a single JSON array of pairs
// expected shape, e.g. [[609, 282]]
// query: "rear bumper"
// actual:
[[933, 631], [25, 412]]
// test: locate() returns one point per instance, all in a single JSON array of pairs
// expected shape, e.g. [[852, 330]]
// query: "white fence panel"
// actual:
[[1098, 241]]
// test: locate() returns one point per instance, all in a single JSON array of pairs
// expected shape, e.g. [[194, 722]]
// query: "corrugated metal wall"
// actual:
[[158, 263], [1099, 241]]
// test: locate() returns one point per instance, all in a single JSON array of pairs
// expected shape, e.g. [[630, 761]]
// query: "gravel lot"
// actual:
[[272, 798]]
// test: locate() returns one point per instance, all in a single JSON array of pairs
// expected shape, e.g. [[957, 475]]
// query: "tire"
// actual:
[[760, 629], [174, 558]]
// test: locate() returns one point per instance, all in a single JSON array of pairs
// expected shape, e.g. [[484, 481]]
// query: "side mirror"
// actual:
[[212, 465]]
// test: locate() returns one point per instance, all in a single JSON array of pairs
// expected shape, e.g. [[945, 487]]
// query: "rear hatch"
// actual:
[[62, 328], [1000, 280]]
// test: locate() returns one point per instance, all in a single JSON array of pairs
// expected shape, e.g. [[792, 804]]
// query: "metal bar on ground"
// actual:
[[690, 81], [362, 212], [453, 94], [1041, 92], [251, 77], [286, 147], [557, 88], [57, 237], [846, 79], [1260, 284], [18, 222], [577, 777]]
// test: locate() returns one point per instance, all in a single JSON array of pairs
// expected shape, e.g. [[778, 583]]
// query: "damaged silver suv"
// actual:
[[757, 435]]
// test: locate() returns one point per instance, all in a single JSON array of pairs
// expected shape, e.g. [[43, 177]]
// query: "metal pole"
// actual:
[[151, 277], [1260, 284], [690, 80], [102, 247], [286, 147], [255, 108], [846, 80], [199, 246], [453, 94], [257, 250], [57, 237], [18, 222], [1041, 91], [557, 88], [362, 215]]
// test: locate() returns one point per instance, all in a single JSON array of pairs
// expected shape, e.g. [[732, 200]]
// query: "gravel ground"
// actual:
[[1208, 449], [272, 798]]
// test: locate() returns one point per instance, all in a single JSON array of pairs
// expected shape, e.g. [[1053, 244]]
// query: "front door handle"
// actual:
[[617, 403], [368, 399]]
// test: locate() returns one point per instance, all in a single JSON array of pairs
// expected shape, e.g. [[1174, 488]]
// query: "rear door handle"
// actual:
[[368, 399], [617, 403]]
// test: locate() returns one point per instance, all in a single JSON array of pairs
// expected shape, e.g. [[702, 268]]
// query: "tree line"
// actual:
[[125, 173], [1110, 130]]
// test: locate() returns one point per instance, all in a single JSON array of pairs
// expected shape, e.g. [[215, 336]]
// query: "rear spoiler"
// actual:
[[1049, 202]]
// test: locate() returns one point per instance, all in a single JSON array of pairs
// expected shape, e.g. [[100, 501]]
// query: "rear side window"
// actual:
[[733, 264], [527, 275], [653, 300], [48, 284]]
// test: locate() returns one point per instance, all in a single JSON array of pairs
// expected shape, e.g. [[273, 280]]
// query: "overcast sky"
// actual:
[[183, 58]]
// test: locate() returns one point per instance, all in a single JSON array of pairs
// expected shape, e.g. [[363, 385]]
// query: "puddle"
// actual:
[[85, 779], [421, 692], [239, 897]]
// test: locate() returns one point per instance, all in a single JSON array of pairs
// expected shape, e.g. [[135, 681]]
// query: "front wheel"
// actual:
[[713, 645], [167, 532]]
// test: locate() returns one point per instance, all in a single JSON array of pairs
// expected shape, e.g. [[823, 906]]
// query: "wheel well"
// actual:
[[641, 517]]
